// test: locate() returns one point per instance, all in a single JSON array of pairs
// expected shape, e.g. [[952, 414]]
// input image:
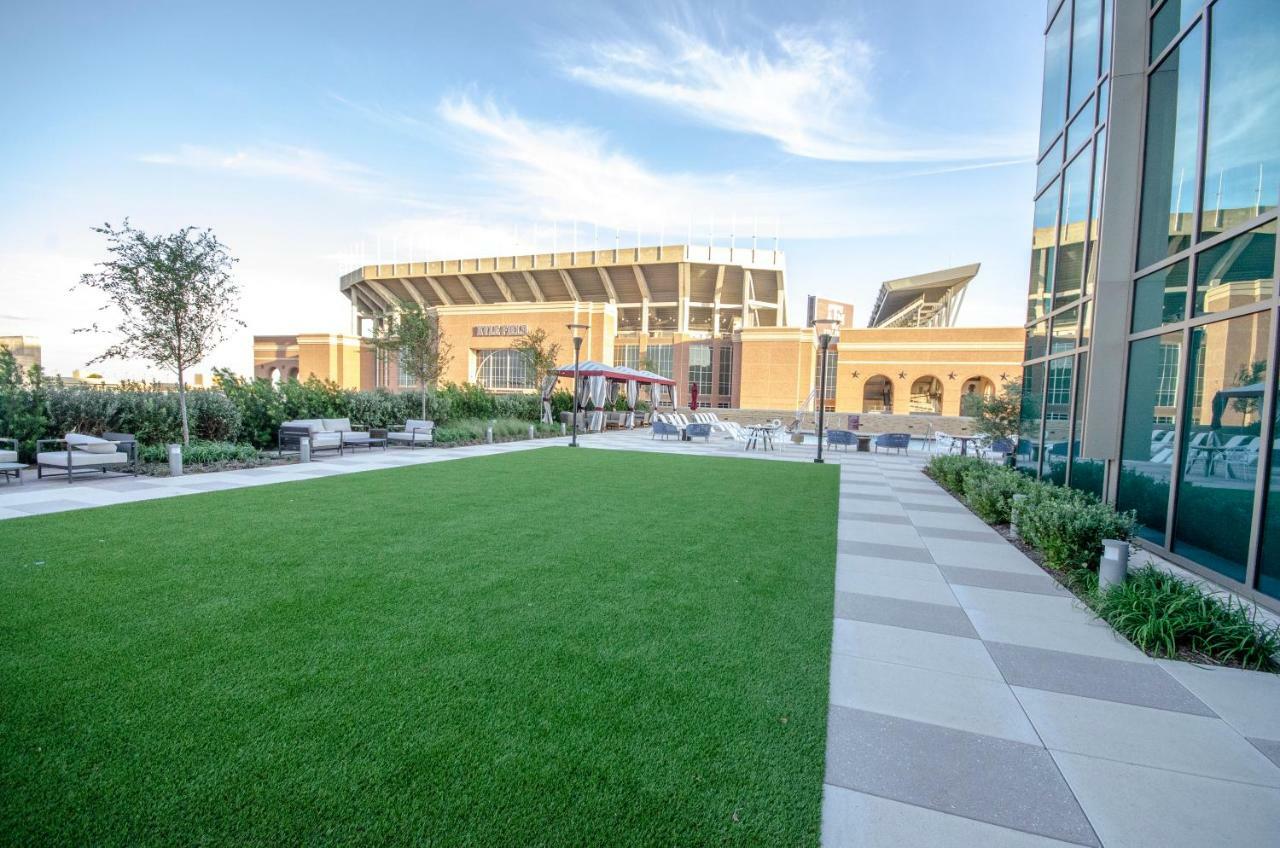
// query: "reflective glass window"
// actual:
[[1053, 96], [1065, 331], [1242, 146], [658, 359], [1086, 474], [1104, 100], [1160, 297], [1169, 171], [1084, 49], [1107, 7], [1236, 272], [700, 368], [1080, 128], [1050, 165], [1028, 449], [1072, 225], [1169, 21], [1043, 237], [1221, 441], [1146, 449], [1037, 341], [1095, 211], [724, 381], [1269, 554], [1057, 418], [1086, 323]]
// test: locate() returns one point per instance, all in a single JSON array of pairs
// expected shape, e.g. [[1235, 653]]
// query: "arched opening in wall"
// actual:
[[974, 391], [275, 376], [926, 395], [877, 394], [293, 373]]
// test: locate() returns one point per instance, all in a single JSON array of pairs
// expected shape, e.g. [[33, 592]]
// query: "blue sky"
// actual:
[[887, 138]]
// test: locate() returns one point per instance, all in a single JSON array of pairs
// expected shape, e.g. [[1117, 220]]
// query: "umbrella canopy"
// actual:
[[591, 368]]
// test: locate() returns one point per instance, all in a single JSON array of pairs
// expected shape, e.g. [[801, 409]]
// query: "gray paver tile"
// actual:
[[1195, 744], [1081, 637], [53, 505], [940, 508], [896, 517], [902, 588], [999, 601], [1141, 683], [857, 820], [919, 648], [998, 781], [1270, 748], [1004, 557], [1009, 581], [1138, 806], [888, 568], [935, 618], [907, 489], [880, 549], [1247, 700], [924, 694], [877, 531], [986, 536], [846, 497], [948, 520]]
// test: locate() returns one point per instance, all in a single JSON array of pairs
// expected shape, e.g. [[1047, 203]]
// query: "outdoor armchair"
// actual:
[[893, 441], [843, 438], [417, 431], [9, 454], [84, 454], [664, 429], [699, 428]]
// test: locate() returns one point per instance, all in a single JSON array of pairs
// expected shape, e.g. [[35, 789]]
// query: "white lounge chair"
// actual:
[[417, 431]]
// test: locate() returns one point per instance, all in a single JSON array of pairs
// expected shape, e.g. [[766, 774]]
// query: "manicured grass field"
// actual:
[[554, 647]]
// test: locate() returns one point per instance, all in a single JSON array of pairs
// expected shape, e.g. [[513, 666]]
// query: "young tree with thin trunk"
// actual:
[[412, 335], [175, 297], [540, 356]]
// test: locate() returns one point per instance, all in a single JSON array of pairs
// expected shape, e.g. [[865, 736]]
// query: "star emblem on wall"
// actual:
[[855, 375], [951, 375], [902, 375], [1004, 377]]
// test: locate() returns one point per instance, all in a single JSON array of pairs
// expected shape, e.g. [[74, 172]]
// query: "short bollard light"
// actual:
[[1113, 568], [488, 433], [1013, 516], [304, 449], [175, 460], [562, 429], [531, 431]]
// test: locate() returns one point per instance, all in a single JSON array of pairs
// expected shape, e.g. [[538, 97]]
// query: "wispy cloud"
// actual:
[[300, 164], [811, 90]]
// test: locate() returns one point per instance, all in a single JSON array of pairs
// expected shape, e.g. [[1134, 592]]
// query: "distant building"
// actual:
[[926, 300], [819, 308], [25, 349]]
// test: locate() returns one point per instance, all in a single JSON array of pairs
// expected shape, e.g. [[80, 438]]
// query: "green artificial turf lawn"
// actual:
[[552, 647]]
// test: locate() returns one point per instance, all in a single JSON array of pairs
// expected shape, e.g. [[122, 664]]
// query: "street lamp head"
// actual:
[[825, 328], [578, 331]]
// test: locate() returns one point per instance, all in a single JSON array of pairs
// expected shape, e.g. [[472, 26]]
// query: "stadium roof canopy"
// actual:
[[925, 300]]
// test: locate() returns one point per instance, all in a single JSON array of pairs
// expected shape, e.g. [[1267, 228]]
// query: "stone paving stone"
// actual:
[[1247, 700], [1144, 684], [948, 520], [857, 820], [210, 485], [936, 618], [42, 507], [987, 578], [928, 695], [993, 780], [1137, 806], [1270, 748], [878, 517], [872, 531], [917, 490], [907, 552], [902, 588], [1204, 745], [984, 536], [918, 648], [973, 554], [921, 506], [888, 568], [1080, 636], [1048, 607], [880, 496]]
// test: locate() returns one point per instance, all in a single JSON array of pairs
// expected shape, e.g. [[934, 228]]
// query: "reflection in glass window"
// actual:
[[1160, 297], [1146, 449], [1242, 147], [1104, 100], [724, 379], [627, 356], [1086, 323], [659, 360], [1236, 272], [1169, 173], [1086, 474], [700, 368], [1072, 224], [1043, 233], [1053, 98], [1037, 341], [1095, 212], [1269, 556], [1107, 7], [1063, 337], [1057, 418], [1050, 164], [504, 368], [1220, 446], [1084, 49], [1169, 21], [1080, 128], [1028, 450]]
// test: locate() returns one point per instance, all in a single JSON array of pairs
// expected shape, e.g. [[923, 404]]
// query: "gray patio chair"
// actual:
[[841, 438], [699, 428], [893, 441]]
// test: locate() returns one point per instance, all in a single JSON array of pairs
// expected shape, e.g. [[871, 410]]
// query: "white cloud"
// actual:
[[809, 90], [300, 164]]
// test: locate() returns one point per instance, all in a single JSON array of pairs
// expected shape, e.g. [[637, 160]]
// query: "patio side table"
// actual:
[[12, 469]]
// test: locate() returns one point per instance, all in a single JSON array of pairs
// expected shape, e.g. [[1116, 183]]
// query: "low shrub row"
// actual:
[[1161, 613], [472, 430], [201, 453]]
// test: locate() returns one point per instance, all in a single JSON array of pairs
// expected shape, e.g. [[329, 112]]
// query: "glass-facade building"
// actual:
[[1175, 202]]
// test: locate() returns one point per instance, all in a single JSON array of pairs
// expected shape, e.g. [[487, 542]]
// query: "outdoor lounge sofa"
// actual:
[[417, 431], [325, 434], [893, 441], [85, 454]]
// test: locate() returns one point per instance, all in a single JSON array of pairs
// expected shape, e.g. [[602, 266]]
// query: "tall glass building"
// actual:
[[1150, 374]]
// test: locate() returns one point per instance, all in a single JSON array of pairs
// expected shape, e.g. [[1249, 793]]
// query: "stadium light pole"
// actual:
[[823, 326], [577, 330]]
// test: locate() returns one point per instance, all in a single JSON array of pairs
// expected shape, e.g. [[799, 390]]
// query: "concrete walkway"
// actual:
[[973, 701]]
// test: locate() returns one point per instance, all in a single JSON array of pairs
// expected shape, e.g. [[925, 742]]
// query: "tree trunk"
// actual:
[[182, 407], [424, 403]]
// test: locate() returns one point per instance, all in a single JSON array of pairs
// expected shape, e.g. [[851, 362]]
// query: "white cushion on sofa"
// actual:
[[80, 458], [90, 444], [416, 438], [314, 425], [8, 456], [419, 424], [336, 425], [350, 436], [322, 439]]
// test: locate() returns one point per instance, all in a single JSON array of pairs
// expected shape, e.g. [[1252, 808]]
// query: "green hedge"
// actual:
[[201, 453], [475, 430]]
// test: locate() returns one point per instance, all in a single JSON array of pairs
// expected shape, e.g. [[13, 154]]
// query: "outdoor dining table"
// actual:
[[761, 437], [964, 443]]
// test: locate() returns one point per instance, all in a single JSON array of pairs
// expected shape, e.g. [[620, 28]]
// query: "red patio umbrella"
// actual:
[[693, 396]]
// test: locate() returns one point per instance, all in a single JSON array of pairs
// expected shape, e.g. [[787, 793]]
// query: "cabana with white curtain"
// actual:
[[600, 383]]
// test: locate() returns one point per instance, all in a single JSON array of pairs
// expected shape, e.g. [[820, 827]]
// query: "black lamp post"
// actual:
[[576, 329], [823, 326]]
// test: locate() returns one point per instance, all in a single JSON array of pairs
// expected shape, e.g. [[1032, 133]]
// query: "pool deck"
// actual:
[[972, 700]]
